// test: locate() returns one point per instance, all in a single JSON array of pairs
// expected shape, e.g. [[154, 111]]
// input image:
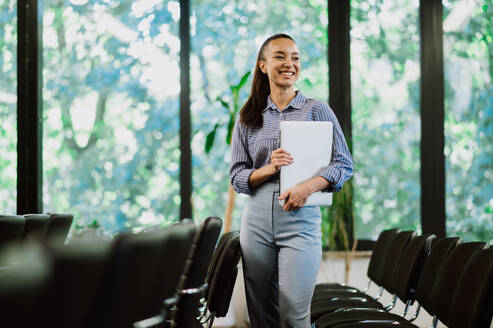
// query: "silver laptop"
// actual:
[[310, 145]]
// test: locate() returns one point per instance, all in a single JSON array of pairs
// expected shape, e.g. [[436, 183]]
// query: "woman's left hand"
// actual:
[[295, 197]]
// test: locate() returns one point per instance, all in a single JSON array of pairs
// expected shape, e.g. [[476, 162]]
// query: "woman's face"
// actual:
[[281, 62]]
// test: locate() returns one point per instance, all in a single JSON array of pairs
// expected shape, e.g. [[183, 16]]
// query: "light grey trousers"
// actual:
[[281, 254]]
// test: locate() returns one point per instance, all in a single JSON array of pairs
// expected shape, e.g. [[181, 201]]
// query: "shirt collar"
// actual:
[[297, 102]]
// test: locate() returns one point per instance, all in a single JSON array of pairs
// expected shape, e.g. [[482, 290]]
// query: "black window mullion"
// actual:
[[432, 118], [185, 117], [29, 107], [340, 91]]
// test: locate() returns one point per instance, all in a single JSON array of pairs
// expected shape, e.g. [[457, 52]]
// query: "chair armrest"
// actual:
[[167, 305], [193, 291], [153, 322]]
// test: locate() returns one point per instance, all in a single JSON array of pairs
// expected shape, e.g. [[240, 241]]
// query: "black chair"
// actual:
[[321, 305], [21, 286], [456, 266], [472, 305], [222, 277], [202, 257], [11, 228], [134, 259], [221, 248], [449, 280], [59, 227], [192, 282], [377, 261], [36, 227], [77, 278], [174, 253], [403, 285]]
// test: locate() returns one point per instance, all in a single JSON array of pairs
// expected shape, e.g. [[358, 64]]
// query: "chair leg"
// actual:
[[212, 319]]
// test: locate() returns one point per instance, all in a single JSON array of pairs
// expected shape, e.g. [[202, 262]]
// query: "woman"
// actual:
[[281, 246]]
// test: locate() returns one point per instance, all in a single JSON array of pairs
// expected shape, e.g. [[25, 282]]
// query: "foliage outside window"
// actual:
[[111, 86], [468, 67], [8, 106], [226, 37], [385, 115]]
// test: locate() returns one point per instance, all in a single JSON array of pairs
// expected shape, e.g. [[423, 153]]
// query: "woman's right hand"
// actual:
[[279, 158]]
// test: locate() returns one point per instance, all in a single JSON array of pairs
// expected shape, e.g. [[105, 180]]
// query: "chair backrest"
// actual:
[[394, 255], [165, 278], [134, 260], [224, 277], [195, 271], [435, 262], [78, 271], [11, 228], [22, 285], [59, 227], [216, 256], [410, 267], [472, 304], [379, 254], [36, 227], [449, 279]]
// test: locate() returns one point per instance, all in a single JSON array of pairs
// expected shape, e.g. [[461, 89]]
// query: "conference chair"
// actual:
[[134, 259], [59, 227], [76, 279], [174, 251], [11, 228], [472, 305], [454, 279], [22, 284], [375, 266], [36, 227], [183, 307], [321, 305], [222, 277], [192, 282], [403, 286]]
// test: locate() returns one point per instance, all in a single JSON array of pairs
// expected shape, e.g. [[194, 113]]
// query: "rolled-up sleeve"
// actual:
[[340, 168], [241, 163]]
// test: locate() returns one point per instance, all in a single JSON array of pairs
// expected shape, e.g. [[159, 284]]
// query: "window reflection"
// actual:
[[8, 107], [111, 86], [468, 119], [385, 115]]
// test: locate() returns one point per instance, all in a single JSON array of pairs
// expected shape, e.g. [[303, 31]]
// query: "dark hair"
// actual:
[[251, 112]]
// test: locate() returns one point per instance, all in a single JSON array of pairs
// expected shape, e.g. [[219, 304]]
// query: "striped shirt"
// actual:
[[252, 147]]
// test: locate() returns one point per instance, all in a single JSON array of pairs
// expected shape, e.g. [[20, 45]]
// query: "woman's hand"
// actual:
[[295, 197], [279, 158]]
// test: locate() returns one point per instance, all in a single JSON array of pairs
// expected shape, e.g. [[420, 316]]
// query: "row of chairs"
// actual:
[[162, 277], [450, 279], [52, 227]]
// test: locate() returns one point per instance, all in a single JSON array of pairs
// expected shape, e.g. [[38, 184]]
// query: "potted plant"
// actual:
[[338, 225]]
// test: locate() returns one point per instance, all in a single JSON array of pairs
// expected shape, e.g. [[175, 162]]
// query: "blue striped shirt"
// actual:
[[252, 147]]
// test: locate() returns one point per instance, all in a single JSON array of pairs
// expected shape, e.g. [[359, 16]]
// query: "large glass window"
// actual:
[[111, 86], [385, 115], [8, 106], [468, 63], [226, 36]]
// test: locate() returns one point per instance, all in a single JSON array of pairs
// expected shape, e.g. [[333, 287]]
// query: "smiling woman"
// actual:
[[225, 38], [281, 245]]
